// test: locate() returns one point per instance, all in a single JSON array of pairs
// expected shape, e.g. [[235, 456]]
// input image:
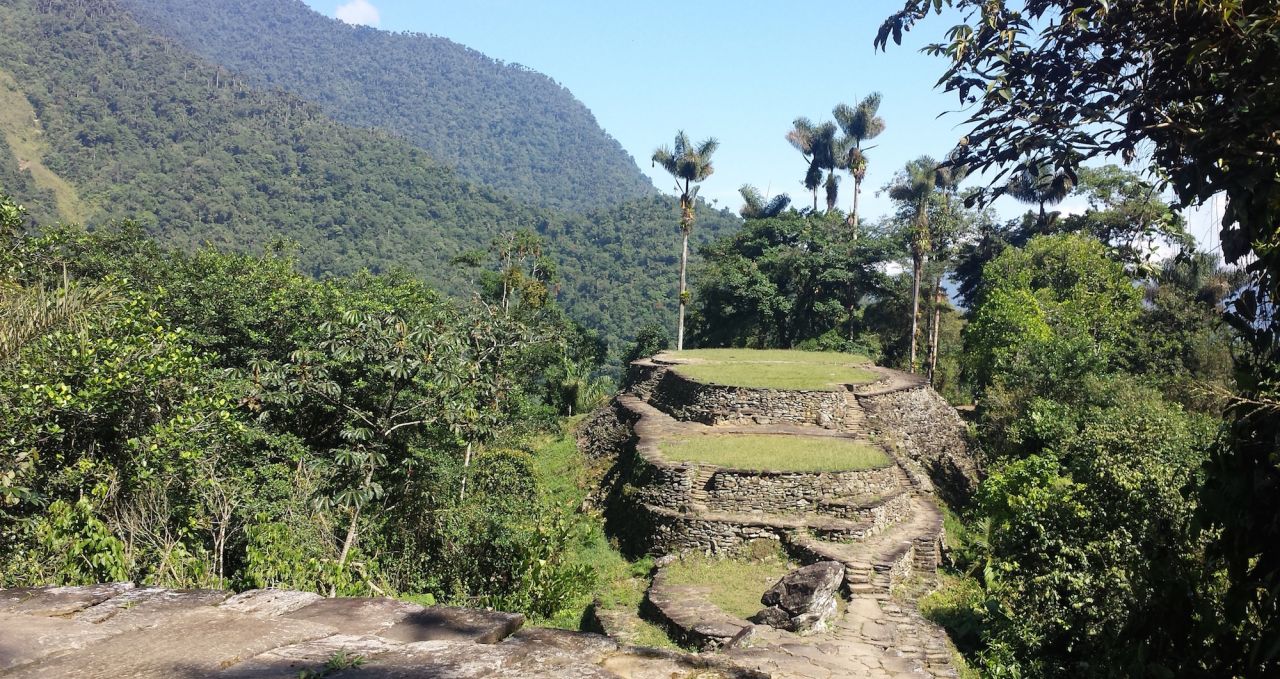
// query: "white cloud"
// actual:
[[359, 12]]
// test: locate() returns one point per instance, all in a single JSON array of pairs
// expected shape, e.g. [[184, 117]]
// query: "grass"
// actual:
[[775, 369], [565, 478], [734, 584], [776, 452]]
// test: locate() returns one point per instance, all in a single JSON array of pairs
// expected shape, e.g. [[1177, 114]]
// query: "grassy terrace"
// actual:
[[776, 452], [774, 369], [735, 584]]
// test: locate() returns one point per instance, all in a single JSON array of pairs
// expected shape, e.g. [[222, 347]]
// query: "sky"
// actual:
[[739, 71]]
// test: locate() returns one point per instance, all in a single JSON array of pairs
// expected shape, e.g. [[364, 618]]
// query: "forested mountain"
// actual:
[[502, 125], [122, 123]]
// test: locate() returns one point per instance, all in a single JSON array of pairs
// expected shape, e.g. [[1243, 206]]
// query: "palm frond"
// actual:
[[28, 313]]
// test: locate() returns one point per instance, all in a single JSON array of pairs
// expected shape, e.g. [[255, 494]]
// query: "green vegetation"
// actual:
[[799, 370], [143, 130], [736, 583], [777, 452], [565, 479], [451, 101], [222, 420]]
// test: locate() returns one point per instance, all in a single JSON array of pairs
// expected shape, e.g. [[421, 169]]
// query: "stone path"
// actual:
[[111, 631]]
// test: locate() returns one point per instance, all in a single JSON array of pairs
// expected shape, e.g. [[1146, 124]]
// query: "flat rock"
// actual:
[[26, 638], [288, 662], [196, 643], [359, 615], [148, 606], [270, 602], [58, 601], [442, 623]]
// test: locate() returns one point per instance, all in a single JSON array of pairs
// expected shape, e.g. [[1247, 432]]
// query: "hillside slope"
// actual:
[[142, 129], [502, 125]]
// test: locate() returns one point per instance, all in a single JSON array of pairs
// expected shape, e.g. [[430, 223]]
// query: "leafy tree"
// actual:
[[1129, 214], [860, 124], [689, 165], [1091, 544], [784, 281], [1204, 108]]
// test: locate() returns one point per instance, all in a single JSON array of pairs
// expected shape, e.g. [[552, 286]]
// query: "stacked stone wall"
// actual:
[[928, 431], [791, 493], [689, 400]]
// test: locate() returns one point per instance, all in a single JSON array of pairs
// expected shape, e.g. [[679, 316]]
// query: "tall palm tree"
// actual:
[[913, 189], [860, 124], [947, 180], [814, 144], [756, 207], [1037, 184], [689, 164]]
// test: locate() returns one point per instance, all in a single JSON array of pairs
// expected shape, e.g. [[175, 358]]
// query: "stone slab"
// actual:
[[58, 601], [148, 607], [270, 602], [196, 643], [288, 662], [26, 638], [442, 623], [359, 615]]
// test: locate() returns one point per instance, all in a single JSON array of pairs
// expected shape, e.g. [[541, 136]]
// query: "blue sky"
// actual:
[[739, 71]]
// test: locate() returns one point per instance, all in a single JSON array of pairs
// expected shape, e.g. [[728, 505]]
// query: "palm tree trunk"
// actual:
[[935, 325], [915, 307], [684, 263], [853, 216]]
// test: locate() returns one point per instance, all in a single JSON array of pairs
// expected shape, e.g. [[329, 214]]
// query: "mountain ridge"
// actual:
[[500, 124], [146, 130]]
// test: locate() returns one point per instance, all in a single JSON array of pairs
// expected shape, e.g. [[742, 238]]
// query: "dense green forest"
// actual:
[[500, 125], [146, 131], [209, 419]]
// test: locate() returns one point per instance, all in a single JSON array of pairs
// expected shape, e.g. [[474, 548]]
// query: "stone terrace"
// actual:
[[882, 525]]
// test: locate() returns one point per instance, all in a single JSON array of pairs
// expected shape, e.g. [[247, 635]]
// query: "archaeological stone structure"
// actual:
[[878, 527]]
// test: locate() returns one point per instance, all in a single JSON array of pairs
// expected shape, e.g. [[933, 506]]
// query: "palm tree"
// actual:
[[860, 124], [948, 179], [689, 165], [1037, 184], [817, 144], [913, 189], [756, 207]]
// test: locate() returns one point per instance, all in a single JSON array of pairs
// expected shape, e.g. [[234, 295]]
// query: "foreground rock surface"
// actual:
[[116, 630]]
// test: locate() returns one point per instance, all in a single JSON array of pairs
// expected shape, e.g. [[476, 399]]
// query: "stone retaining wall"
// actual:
[[790, 493], [927, 430], [887, 510], [688, 400]]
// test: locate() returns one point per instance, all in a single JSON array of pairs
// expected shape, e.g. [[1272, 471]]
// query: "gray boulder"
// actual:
[[804, 599]]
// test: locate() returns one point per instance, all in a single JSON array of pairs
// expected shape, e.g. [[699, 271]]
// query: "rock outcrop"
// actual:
[[804, 600], [118, 630]]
